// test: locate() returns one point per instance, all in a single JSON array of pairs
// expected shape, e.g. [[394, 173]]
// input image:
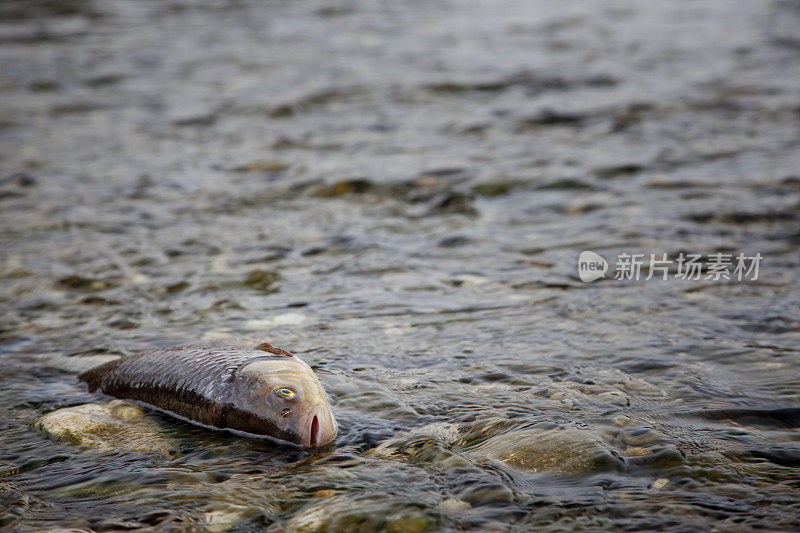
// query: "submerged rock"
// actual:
[[561, 451], [264, 281], [223, 519], [555, 450], [341, 513], [116, 425]]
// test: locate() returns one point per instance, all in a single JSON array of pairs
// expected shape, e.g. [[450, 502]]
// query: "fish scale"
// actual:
[[186, 380]]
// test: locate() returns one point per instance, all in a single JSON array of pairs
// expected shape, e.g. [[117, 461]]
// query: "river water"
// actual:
[[399, 192]]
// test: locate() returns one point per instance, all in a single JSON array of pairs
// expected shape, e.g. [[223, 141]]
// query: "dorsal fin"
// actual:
[[267, 347]]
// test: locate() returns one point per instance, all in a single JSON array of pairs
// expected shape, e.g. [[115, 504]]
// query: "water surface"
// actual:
[[398, 192]]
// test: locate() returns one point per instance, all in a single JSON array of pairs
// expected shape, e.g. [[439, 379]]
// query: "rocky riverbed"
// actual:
[[399, 192]]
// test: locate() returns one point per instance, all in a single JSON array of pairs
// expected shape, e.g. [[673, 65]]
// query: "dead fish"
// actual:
[[262, 391]]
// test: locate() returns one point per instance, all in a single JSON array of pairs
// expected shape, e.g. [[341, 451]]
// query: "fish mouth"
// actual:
[[321, 427], [314, 432]]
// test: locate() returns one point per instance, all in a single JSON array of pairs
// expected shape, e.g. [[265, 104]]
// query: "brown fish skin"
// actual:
[[265, 391]]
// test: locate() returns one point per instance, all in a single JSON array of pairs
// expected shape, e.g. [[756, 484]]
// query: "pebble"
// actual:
[[660, 483], [621, 420], [217, 521], [397, 331], [452, 505], [407, 384], [342, 514], [467, 280], [265, 281]]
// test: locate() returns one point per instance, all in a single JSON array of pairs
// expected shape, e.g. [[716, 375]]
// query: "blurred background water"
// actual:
[[399, 192]]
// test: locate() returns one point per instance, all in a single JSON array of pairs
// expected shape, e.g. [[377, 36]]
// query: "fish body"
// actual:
[[263, 391]]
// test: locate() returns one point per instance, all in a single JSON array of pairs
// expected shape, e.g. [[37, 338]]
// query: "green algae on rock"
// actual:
[[116, 425]]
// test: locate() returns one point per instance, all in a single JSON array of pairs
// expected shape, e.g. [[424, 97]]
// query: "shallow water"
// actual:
[[399, 191]]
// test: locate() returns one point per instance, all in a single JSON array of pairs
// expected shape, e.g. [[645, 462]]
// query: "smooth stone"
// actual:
[[467, 280], [454, 505], [659, 456], [116, 425], [621, 420], [220, 520], [562, 451], [439, 431], [397, 331], [558, 451], [342, 514], [407, 384], [488, 494]]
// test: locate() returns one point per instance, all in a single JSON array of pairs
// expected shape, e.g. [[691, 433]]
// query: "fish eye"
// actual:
[[285, 393]]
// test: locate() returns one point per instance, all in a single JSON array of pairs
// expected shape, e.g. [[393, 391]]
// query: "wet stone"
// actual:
[[561, 451], [621, 420], [116, 425], [8, 469], [344, 514], [487, 494], [273, 166], [224, 519], [566, 184], [454, 241], [200, 120], [173, 288], [109, 524], [467, 280], [340, 188], [660, 483], [454, 505], [176, 287], [639, 436], [122, 323], [453, 203], [493, 189], [549, 117], [617, 171], [97, 300], [263, 280], [84, 284]]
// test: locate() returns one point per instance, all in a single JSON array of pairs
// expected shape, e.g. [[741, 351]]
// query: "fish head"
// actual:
[[285, 400]]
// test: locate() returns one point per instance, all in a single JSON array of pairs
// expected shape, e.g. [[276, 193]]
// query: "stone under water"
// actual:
[[116, 425]]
